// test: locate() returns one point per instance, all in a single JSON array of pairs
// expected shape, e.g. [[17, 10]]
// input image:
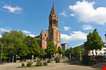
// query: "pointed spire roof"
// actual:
[[53, 11]]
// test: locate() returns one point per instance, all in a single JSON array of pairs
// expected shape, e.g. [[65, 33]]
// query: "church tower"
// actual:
[[53, 33]]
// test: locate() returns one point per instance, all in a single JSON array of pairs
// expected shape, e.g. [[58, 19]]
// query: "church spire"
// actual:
[[53, 11], [53, 4], [53, 33], [53, 19]]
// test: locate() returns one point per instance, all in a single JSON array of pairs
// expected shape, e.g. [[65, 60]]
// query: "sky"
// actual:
[[76, 18]]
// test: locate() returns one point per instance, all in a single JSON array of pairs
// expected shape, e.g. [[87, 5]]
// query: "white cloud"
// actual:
[[86, 12], [75, 35], [28, 33], [63, 13], [87, 27], [72, 15], [66, 28], [12, 9], [0, 35], [3, 30]]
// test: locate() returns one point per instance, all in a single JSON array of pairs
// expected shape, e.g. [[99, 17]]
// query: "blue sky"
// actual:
[[76, 17]]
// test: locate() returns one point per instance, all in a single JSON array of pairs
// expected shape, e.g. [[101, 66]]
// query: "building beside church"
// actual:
[[52, 34]]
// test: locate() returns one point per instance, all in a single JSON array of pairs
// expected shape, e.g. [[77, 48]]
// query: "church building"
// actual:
[[52, 34]]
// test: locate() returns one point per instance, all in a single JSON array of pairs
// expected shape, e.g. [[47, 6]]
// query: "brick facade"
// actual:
[[53, 33]]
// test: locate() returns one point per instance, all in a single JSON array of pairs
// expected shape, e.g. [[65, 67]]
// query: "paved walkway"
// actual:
[[58, 66]]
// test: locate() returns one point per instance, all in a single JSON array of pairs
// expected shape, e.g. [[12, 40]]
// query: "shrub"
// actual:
[[29, 64], [45, 63], [22, 65], [57, 59], [48, 61], [38, 63]]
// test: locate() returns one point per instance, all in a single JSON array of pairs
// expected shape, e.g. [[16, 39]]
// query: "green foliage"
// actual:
[[60, 50], [45, 63], [38, 63], [48, 61], [51, 49], [17, 43], [11, 41], [68, 52], [94, 41], [33, 45], [29, 64], [22, 65], [57, 59], [42, 53], [77, 51]]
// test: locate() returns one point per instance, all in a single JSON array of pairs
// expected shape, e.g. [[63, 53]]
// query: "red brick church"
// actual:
[[52, 34]]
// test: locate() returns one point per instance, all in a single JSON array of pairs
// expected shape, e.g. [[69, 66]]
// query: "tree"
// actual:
[[3, 52], [42, 54], [33, 46], [68, 52], [13, 42], [77, 51], [94, 41], [60, 50], [51, 49]]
